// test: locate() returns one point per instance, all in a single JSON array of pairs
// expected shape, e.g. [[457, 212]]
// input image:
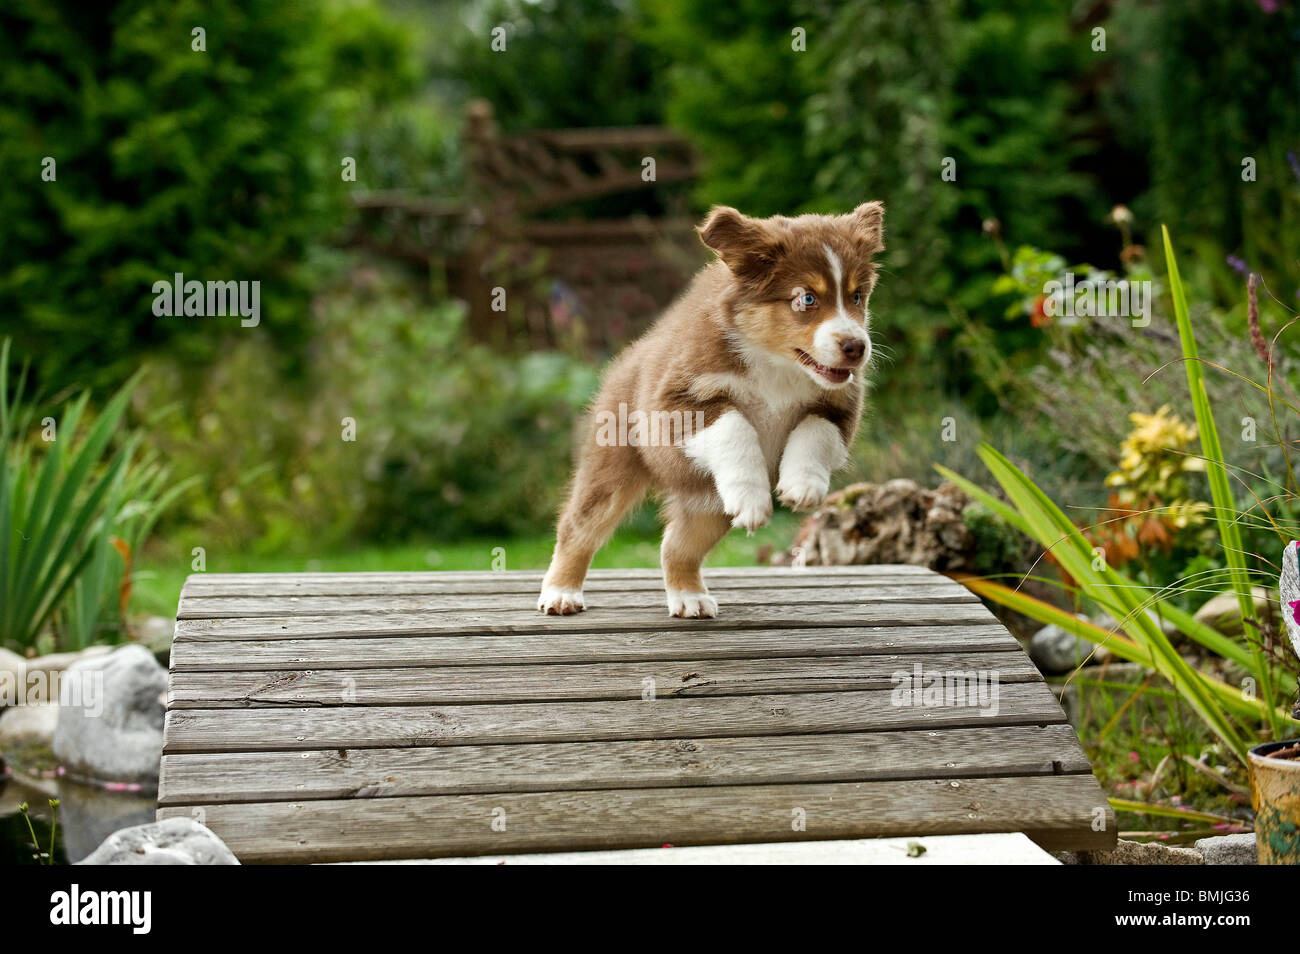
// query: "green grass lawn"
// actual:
[[157, 583]]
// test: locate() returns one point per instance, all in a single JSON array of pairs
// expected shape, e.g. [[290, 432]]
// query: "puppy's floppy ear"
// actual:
[[744, 244], [867, 225]]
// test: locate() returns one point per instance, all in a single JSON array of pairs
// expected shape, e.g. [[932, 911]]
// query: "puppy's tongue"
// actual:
[[834, 375]]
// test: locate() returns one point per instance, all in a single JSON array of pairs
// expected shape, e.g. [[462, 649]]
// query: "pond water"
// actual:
[[86, 816]]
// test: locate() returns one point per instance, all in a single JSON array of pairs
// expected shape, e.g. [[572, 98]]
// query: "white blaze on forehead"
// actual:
[[826, 339], [837, 276]]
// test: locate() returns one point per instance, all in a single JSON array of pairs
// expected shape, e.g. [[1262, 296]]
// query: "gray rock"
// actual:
[[174, 841], [1290, 588], [1129, 672], [1228, 849], [23, 724], [89, 813], [1222, 614], [1055, 651], [110, 726], [59, 662], [1141, 853], [1067, 694], [1108, 623], [27, 738], [29, 681]]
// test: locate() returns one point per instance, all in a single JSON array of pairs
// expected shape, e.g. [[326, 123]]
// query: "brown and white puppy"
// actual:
[[753, 376]]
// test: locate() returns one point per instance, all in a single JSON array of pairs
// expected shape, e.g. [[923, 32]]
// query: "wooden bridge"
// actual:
[[361, 716]]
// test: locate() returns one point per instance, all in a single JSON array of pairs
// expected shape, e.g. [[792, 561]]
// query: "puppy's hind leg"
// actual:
[[689, 535], [603, 492]]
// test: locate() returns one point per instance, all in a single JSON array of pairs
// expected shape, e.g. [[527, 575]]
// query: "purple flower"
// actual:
[[1238, 264], [1294, 160], [1269, 6], [1295, 610]]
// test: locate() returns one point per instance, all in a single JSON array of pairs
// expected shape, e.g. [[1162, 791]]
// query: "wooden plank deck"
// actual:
[[366, 716]]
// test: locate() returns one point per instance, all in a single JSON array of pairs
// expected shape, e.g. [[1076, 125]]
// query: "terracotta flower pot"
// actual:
[[1275, 794]]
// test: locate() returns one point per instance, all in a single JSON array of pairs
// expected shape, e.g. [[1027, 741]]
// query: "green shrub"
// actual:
[[1237, 715], [168, 160], [566, 63], [1212, 71], [450, 440], [998, 545], [737, 88], [77, 499]]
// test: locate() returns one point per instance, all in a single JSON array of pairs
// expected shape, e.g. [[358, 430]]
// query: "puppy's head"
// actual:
[[799, 287]]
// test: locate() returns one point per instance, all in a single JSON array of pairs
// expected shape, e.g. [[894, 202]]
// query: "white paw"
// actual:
[[802, 491], [560, 601], [749, 507], [691, 605]]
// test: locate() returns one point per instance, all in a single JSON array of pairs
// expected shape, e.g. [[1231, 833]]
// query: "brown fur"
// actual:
[[699, 357]]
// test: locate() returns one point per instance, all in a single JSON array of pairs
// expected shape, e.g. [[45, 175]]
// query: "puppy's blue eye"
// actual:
[[808, 300], [857, 298]]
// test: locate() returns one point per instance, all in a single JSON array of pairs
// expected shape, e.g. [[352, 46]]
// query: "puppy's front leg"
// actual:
[[729, 450], [814, 449]]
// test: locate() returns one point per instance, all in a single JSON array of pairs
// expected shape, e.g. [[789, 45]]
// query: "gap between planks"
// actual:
[[578, 682], [228, 606], [528, 620], [378, 652], [289, 729]]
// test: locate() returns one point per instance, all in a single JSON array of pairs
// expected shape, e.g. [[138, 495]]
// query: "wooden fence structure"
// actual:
[[536, 266]]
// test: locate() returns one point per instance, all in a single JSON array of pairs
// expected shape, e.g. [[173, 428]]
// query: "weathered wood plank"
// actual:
[[875, 571], [453, 685], [524, 618], [503, 583], [438, 826], [261, 730], [469, 769], [224, 607], [528, 648]]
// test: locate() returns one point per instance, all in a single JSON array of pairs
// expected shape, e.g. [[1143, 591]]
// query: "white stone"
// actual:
[[28, 724], [1012, 848], [1222, 614], [111, 724], [173, 841], [1236, 849]]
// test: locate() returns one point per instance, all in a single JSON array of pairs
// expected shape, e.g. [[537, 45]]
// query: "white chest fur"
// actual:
[[775, 398]]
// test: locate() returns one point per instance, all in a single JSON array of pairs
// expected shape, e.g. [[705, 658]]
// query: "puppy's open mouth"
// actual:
[[833, 375]]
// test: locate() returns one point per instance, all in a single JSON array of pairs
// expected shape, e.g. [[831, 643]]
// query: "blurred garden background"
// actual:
[[382, 167]]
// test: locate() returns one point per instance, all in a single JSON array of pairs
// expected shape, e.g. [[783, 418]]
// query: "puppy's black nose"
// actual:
[[853, 348]]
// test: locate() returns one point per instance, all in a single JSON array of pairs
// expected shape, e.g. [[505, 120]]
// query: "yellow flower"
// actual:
[[1153, 457], [1187, 513], [1159, 431]]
